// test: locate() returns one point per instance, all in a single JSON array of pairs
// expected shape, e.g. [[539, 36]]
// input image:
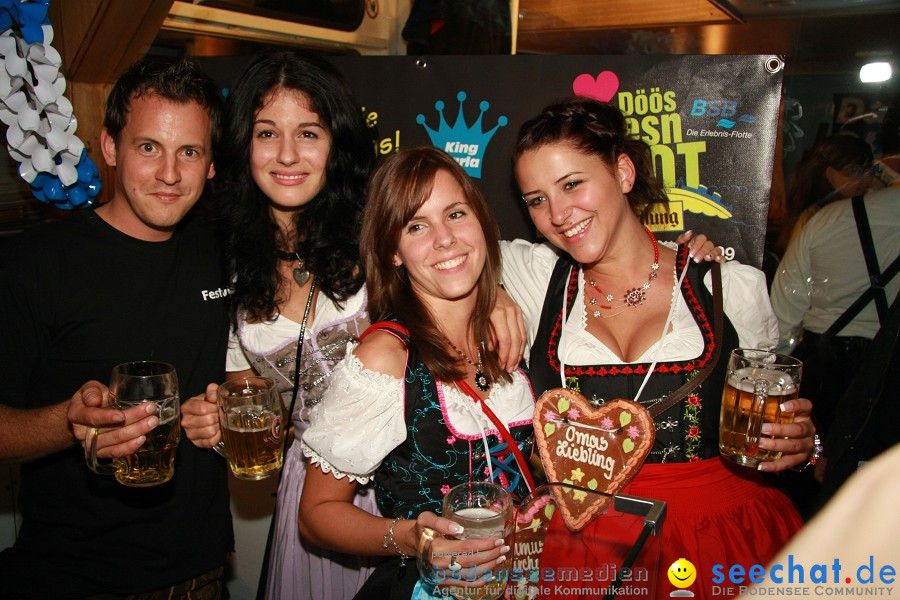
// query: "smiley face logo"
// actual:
[[682, 573]]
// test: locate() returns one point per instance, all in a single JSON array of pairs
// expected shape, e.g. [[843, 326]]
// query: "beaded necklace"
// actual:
[[481, 380]]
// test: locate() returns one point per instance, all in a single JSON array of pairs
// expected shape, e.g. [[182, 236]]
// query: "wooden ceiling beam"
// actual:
[[568, 15]]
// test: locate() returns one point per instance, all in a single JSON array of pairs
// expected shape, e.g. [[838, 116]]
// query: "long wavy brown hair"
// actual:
[[398, 188]]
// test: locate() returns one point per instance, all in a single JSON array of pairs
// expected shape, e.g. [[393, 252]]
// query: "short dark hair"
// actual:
[[809, 185], [176, 80]]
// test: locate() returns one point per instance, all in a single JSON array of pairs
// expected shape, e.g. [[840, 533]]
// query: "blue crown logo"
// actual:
[[465, 144]]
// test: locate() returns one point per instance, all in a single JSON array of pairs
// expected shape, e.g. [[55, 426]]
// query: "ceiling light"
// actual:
[[875, 72]]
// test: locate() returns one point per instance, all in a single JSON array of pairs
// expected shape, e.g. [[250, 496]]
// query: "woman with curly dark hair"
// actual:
[[294, 166]]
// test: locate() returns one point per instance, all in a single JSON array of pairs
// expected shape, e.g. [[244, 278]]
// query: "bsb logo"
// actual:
[[720, 108]]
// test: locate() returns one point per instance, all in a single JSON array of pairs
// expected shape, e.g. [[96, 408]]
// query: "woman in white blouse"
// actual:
[[597, 312], [396, 413]]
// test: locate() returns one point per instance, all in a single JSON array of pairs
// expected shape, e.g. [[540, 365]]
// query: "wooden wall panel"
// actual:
[[100, 38]]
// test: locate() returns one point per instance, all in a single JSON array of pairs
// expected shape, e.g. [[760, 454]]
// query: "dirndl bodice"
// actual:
[[323, 348]]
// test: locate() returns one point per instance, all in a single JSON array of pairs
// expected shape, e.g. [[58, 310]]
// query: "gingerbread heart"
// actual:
[[599, 449]]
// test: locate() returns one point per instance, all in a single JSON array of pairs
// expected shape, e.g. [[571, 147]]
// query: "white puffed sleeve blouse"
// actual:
[[361, 417]]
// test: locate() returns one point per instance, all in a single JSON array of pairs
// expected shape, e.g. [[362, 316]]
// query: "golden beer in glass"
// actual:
[[252, 421], [153, 463], [757, 384]]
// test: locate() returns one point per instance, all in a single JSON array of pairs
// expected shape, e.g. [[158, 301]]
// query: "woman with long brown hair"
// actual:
[[402, 409]]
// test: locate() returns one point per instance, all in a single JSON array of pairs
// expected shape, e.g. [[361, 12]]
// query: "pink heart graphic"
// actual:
[[603, 88]]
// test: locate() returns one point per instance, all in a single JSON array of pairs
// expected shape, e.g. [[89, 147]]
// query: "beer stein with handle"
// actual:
[[251, 417], [131, 384], [484, 510], [757, 384]]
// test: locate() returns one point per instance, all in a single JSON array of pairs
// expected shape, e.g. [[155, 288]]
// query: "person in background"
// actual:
[[600, 321], [845, 256], [837, 167], [407, 407], [137, 278]]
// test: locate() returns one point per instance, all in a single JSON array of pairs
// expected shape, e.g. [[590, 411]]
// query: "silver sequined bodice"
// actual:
[[322, 349]]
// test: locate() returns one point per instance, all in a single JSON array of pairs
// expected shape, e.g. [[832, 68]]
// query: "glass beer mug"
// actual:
[[757, 384], [251, 418], [484, 510], [131, 384]]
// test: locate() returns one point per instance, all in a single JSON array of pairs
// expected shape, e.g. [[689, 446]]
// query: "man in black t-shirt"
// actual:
[[139, 278]]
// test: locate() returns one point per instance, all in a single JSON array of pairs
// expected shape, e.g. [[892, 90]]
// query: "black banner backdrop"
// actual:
[[711, 122]]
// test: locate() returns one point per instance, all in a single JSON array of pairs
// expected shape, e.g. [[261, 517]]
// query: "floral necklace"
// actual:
[[632, 298]]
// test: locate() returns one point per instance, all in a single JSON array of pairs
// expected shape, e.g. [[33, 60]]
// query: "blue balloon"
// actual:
[[40, 180], [77, 196], [84, 171], [34, 14], [54, 190]]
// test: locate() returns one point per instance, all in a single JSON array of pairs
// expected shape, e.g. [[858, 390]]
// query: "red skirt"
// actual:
[[716, 514]]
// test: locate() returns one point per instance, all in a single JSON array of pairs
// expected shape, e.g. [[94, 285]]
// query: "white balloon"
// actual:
[[60, 85], [66, 170], [52, 56], [41, 126], [14, 135], [7, 116], [29, 144], [15, 65], [63, 106], [42, 160], [30, 120], [57, 139], [48, 34], [59, 120], [45, 93], [76, 146], [5, 87], [17, 101], [7, 44]]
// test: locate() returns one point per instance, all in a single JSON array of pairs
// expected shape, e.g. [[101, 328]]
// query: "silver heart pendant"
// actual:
[[301, 276]]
